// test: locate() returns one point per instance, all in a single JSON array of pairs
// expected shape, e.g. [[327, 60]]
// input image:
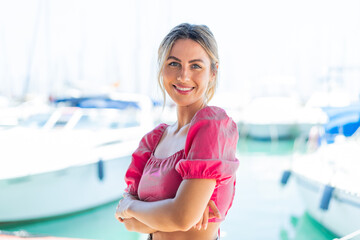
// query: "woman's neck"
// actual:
[[186, 113]]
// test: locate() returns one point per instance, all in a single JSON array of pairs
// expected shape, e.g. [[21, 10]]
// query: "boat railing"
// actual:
[[349, 236]]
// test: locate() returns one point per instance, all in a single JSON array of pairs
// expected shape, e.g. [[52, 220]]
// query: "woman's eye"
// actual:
[[174, 64], [195, 66]]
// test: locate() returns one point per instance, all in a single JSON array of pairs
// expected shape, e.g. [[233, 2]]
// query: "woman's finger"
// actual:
[[211, 215], [216, 212], [195, 226], [123, 205], [198, 225], [119, 218], [125, 194], [205, 218]]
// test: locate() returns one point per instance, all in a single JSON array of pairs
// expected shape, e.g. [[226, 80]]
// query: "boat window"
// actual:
[[64, 118], [35, 121], [97, 119]]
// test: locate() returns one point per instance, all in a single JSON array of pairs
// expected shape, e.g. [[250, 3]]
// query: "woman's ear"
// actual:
[[214, 72]]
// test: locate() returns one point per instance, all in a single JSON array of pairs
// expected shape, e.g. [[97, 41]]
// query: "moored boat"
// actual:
[[328, 182], [270, 118], [73, 159]]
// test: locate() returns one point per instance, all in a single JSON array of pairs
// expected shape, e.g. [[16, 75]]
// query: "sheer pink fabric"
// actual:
[[209, 153]]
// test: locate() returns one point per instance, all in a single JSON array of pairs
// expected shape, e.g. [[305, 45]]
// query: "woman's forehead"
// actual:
[[187, 50]]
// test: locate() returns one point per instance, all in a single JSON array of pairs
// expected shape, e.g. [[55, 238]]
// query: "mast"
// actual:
[[32, 50]]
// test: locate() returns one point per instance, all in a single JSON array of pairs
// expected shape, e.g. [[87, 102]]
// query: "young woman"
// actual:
[[181, 181]]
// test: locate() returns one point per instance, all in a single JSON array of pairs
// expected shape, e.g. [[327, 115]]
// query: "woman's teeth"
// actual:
[[183, 89]]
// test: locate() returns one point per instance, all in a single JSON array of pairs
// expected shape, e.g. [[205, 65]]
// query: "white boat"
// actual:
[[15, 111], [8, 115], [74, 161], [328, 180], [270, 118], [307, 118], [274, 117]]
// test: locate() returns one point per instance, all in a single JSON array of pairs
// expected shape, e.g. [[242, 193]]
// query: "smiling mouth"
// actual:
[[183, 89]]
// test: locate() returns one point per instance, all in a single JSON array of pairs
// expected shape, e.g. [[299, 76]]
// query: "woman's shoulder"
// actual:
[[151, 138], [210, 114], [159, 129], [212, 121]]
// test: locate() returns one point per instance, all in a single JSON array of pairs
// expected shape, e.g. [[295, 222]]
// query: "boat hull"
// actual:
[[270, 131], [63, 191], [343, 215]]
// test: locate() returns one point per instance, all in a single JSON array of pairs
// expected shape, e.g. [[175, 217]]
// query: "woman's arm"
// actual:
[[134, 225], [177, 214]]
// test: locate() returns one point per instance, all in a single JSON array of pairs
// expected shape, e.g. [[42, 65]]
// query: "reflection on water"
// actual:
[[305, 228], [262, 208], [278, 147], [97, 223]]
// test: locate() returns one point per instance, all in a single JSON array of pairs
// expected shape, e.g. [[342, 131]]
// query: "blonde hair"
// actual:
[[198, 33]]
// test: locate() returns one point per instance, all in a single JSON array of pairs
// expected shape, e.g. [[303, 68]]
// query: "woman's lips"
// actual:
[[182, 89]]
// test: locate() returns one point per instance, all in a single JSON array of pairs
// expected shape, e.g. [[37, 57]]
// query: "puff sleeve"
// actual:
[[140, 158], [210, 147]]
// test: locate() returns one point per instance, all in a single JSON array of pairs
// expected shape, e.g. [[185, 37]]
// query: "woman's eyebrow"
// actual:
[[191, 61], [175, 58], [196, 60]]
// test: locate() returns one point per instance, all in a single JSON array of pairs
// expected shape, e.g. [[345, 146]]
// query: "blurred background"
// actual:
[[78, 89]]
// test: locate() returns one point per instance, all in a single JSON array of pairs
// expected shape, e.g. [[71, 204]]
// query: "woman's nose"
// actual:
[[183, 75]]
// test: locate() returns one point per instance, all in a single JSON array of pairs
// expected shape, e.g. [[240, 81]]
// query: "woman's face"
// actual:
[[187, 73]]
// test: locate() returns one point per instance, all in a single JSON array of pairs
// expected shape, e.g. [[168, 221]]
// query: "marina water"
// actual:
[[262, 207]]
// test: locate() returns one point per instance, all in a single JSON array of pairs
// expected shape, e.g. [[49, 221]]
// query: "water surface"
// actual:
[[262, 208]]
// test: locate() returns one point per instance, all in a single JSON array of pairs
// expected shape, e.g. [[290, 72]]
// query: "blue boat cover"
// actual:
[[342, 120], [97, 102]]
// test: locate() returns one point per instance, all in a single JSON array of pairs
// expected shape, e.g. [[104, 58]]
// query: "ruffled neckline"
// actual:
[[159, 136], [164, 126]]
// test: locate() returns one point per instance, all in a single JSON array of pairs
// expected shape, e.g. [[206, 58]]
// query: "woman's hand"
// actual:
[[208, 215], [134, 225], [180, 213], [123, 206], [130, 223]]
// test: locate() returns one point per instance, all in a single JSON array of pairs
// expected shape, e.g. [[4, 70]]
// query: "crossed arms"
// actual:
[[189, 208]]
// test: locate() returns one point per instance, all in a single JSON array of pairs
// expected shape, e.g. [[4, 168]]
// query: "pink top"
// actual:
[[209, 153]]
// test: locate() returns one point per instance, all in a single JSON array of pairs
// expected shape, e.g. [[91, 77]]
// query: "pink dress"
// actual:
[[209, 153]]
